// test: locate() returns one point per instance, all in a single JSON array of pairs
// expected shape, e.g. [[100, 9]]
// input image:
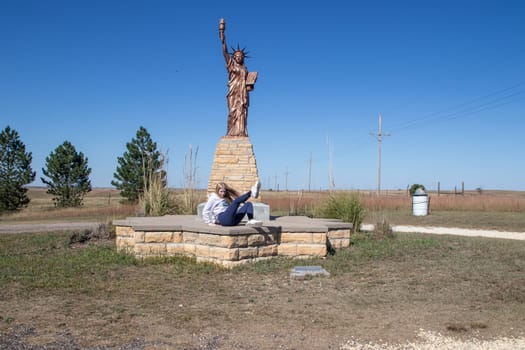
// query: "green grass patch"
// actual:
[[365, 249], [46, 262], [274, 266]]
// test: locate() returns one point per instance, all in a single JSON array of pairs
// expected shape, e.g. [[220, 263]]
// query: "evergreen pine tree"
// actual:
[[15, 171], [136, 165], [68, 174]]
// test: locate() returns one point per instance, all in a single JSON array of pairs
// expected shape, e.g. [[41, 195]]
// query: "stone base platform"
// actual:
[[290, 236]]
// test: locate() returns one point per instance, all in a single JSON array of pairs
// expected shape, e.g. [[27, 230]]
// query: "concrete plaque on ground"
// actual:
[[302, 272]]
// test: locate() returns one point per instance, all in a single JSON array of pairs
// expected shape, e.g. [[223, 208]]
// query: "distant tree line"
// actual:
[[140, 173]]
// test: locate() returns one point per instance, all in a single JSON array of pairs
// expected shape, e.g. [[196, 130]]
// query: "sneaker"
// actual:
[[255, 189], [254, 222]]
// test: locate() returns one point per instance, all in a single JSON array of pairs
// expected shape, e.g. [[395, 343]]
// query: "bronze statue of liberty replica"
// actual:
[[240, 83], [234, 160]]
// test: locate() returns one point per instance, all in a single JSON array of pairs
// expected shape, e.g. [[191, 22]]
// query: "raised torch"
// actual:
[[222, 27]]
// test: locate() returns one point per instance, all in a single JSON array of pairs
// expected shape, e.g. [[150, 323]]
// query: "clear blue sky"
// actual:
[[448, 78]]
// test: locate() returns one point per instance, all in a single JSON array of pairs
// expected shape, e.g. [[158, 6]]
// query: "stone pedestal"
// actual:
[[234, 163]]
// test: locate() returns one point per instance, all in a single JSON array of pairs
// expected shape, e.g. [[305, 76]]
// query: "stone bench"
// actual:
[[295, 237]]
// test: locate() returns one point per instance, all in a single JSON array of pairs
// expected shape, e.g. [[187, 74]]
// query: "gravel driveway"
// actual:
[[60, 226], [453, 231]]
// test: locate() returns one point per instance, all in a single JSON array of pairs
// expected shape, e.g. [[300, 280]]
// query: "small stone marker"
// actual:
[[301, 272]]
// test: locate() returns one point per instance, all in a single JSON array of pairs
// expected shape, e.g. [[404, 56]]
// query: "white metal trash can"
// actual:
[[420, 203]]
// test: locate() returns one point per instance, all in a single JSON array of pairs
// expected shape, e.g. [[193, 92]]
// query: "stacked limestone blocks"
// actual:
[[125, 238], [338, 238], [295, 237], [224, 246], [303, 244], [303, 231], [234, 163]]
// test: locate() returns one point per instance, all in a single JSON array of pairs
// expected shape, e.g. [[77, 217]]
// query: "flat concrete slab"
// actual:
[[196, 224], [303, 272]]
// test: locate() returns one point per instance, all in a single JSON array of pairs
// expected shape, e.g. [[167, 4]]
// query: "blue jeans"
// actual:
[[233, 214]]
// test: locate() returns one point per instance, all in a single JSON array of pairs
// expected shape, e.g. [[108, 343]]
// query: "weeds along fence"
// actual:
[[497, 201], [294, 202], [105, 204], [308, 203]]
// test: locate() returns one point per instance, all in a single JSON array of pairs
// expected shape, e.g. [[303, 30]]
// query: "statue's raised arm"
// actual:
[[222, 28], [240, 82]]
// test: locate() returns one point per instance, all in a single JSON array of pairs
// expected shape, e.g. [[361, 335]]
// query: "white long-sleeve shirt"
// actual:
[[214, 206]]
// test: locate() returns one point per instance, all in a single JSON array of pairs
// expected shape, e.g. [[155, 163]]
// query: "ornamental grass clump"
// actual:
[[346, 207], [156, 199]]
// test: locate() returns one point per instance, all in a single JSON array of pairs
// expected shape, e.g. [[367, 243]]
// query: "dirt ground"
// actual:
[[383, 301], [243, 311]]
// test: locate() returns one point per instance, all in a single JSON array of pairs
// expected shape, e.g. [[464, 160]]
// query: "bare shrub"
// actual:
[[382, 230], [101, 232]]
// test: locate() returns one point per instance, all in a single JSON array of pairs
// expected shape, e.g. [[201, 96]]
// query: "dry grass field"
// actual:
[[99, 205], [58, 294], [501, 210]]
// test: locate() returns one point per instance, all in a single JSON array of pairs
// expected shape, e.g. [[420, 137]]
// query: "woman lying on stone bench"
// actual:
[[224, 206]]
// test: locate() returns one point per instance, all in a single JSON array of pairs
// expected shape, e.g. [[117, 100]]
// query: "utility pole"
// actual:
[[309, 171], [379, 140], [286, 179], [330, 168]]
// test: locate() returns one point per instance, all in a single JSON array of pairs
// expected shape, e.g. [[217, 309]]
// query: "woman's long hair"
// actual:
[[230, 194]]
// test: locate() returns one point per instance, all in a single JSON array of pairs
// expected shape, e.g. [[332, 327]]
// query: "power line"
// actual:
[[478, 108], [454, 113]]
